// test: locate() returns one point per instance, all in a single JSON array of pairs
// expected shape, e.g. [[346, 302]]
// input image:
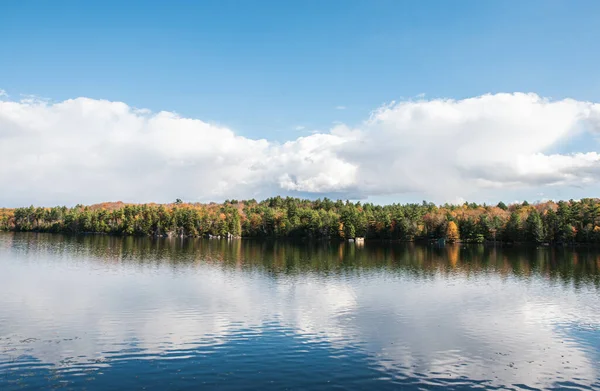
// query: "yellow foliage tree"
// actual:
[[341, 230], [452, 232]]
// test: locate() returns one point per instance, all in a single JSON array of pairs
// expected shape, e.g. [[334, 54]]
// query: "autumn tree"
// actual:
[[452, 232], [563, 222]]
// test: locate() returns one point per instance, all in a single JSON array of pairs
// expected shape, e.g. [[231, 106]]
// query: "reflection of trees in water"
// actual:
[[452, 254], [569, 265]]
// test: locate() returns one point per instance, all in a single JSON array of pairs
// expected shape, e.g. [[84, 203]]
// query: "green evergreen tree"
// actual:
[[512, 231], [535, 227]]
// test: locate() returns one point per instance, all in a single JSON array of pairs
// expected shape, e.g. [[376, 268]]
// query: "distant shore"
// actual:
[[544, 224]]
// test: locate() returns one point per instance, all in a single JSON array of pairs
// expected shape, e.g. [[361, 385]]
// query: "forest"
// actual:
[[563, 222]]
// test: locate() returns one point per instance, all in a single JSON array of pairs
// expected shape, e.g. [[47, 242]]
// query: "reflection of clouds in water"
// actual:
[[491, 335], [111, 310], [481, 327], [315, 307]]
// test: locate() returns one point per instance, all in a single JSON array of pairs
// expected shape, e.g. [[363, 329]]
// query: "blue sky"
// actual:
[[283, 70], [265, 68]]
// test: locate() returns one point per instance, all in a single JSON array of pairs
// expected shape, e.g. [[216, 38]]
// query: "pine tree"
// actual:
[[512, 231], [535, 227]]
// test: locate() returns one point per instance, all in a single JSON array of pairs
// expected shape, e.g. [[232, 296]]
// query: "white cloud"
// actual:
[[87, 150], [3, 93], [340, 107], [299, 127], [448, 148]]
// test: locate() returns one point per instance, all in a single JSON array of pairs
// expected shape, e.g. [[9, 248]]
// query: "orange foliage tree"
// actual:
[[452, 232]]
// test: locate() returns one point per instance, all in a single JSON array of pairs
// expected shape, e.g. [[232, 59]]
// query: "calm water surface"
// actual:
[[102, 313]]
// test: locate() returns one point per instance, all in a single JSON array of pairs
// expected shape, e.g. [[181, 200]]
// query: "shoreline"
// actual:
[[559, 224], [427, 242]]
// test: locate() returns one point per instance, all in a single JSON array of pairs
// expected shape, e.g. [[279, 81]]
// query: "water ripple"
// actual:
[[110, 314]]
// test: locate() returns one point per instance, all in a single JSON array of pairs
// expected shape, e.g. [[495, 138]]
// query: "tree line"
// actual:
[[278, 217]]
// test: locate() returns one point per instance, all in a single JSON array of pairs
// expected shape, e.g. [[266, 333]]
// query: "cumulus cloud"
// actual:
[[88, 150], [453, 148]]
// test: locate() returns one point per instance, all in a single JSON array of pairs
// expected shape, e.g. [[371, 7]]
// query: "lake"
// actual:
[[101, 313]]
